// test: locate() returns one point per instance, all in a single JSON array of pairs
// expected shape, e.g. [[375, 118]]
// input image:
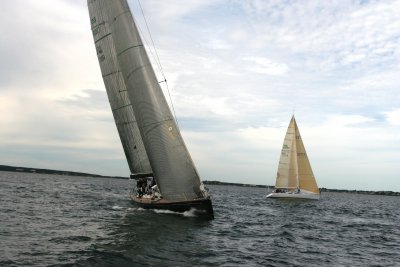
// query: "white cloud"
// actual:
[[347, 120], [266, 66], [332, 33], [173, 9], [393, 117]]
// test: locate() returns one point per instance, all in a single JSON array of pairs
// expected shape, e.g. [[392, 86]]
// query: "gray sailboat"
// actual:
[[151, 139]]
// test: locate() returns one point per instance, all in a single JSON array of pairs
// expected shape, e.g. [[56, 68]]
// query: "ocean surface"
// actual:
[[51, 220]]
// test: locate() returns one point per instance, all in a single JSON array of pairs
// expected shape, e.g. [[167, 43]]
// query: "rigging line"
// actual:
[[159, 64], [149, 50], [151, 39], [172, 104]]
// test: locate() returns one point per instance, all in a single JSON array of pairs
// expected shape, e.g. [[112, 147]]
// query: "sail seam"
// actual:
[[98, 40], [120, 14], [135, 70], [156, 124], [134, 46], [126, 122], [121, 107], [111, 73]]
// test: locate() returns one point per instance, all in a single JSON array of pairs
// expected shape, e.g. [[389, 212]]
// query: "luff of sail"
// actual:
[[172, 166], [124, 117]]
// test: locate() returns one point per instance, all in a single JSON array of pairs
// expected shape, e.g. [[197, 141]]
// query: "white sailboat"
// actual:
[[295, 178], [151, 139]]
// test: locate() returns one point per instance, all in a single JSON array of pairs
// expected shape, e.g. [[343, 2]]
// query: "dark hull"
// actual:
[[202, 207]]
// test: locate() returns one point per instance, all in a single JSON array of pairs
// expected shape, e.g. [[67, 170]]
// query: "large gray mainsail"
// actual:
[[169, 158], [124, 117]]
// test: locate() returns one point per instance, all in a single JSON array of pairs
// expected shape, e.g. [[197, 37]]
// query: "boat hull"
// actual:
[[294, 195], [201, 207]]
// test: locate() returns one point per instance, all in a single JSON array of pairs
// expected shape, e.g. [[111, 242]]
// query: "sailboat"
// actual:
[[152, 142], [295, 178]]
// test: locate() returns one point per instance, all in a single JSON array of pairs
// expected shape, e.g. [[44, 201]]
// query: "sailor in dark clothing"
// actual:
[[139, 186]]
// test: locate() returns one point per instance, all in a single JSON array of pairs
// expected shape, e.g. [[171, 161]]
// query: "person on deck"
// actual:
[[139, 188]]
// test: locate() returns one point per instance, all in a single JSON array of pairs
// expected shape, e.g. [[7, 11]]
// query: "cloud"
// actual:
[[393, 117], [266, 66], [52, 118], [38, 50], [333, 34]]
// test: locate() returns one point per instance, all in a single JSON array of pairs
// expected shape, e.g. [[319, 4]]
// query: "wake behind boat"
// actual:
[[295, 178], [150, 136]]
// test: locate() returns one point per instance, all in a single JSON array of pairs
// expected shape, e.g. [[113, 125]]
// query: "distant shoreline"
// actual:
[[57, 172], [365, 192], [71, 173]]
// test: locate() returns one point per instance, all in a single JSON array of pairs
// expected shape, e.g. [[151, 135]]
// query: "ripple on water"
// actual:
[[79, 221]]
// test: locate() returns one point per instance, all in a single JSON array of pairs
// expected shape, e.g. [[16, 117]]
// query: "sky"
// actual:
[[237, 70]]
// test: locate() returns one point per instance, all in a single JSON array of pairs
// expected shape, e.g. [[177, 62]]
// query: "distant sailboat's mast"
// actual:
[[295, 149], [295, 163], [293, 171]]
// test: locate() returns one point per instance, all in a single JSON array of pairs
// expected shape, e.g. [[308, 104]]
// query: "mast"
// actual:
[[169, 158], [293, 180], [294, 170], [121, 106]]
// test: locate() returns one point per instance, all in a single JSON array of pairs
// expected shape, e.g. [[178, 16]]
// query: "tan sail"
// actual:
[[295, 177], [287, 170], [306, 177]]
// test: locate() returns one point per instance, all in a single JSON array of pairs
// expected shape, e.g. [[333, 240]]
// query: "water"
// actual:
[[49, 220]]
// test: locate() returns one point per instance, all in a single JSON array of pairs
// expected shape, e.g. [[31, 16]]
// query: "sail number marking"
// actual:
[[93, 20]]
